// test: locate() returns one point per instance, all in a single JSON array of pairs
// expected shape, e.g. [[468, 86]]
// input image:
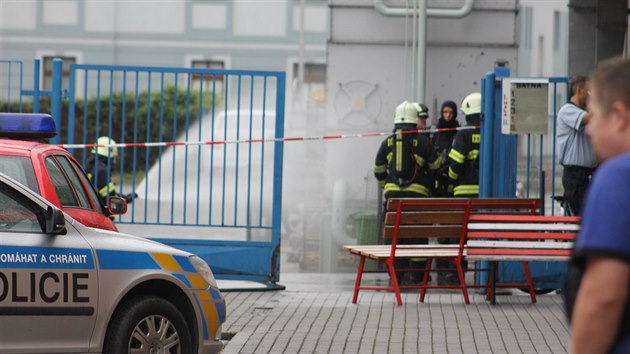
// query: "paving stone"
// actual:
[[324, 320]]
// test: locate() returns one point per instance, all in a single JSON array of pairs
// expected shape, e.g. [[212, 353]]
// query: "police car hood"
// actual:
[[104, 239]]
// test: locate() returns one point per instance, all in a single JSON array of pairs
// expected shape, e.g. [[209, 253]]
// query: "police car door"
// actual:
[[48, 282]]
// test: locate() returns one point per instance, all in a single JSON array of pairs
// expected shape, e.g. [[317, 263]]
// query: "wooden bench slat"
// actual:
[[507, 252], [426, 217], [517, 258], [524, 218], [423, 231], [522, 235], [523, 226], [519, 244], [448, 203]]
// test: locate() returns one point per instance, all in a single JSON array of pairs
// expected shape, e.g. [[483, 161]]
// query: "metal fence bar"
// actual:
[[214, 85], [161, 149], [199, 137], [174, 148], [238, 137], [136, 117], [225, 117], [55, 103], [249, 152], [123, 118], [262, 148], [187, 120]]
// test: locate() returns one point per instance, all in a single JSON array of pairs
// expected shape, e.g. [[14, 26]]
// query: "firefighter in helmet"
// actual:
[[405, 160], [99, 166], [404, 167], [464, 155]]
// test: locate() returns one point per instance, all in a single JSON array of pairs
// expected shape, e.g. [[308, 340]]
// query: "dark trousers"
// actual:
[[406, 263], [575, 180]]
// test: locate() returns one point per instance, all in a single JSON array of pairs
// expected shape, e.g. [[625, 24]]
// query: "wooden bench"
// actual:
[[523, 238], [428, 218]]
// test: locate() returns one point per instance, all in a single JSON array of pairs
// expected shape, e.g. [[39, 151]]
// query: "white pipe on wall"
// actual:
[[423, 13], [438, 13]]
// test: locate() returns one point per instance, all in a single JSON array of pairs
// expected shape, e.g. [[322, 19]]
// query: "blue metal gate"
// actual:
[[201, 148]]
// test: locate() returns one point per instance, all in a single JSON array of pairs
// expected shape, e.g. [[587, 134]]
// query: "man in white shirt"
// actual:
[[574, 148]]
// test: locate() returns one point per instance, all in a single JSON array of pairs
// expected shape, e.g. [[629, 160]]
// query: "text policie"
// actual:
[[48, 287]]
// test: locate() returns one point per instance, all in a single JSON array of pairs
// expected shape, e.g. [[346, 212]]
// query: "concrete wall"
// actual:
[[370, 65]]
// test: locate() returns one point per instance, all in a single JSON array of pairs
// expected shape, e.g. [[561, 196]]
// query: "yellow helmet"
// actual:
[[107, 151], [409, 113], [472, 104]]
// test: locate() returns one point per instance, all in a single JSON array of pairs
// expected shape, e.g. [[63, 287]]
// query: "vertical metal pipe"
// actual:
[[277, 180], [36, 86], [421, 68], [55, 102], [487, 128], [301, 45], [71, 106]]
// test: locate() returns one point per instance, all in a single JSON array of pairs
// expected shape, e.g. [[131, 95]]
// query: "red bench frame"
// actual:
[[454, 226]]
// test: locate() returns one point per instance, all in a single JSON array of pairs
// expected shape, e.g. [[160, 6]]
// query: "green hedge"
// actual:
[[123, 127]]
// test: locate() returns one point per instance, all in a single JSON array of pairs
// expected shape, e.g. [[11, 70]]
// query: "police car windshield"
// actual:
[[20, 169]]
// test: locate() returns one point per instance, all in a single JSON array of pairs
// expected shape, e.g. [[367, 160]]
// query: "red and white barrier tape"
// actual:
[[270, 140]]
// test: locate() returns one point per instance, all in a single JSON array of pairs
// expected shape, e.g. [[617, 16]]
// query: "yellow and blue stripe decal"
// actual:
[[45, 258], [113, 259], [181, 268], [211, 304]]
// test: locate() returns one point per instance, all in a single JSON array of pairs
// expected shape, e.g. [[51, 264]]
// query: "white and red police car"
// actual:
[[68, 288], [69, 283]]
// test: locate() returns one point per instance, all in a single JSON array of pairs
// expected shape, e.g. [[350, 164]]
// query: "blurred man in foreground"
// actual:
[[599, 274]]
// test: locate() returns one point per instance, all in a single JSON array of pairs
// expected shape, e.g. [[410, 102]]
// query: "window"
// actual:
[[206, 80], [65, 71], [20, 169], [84, 200], [18, 213], [313, 72], [314, 81], [90, 188], [65, 192]]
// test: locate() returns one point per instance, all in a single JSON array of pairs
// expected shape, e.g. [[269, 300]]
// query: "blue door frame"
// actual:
[[499, 171]]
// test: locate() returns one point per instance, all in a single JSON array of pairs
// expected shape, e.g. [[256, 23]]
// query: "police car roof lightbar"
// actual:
[[27, 126]]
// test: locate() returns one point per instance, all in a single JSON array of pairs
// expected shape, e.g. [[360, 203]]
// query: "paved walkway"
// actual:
[[315, 314]]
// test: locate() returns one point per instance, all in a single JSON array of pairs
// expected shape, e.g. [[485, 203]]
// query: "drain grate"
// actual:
[[261, 310]]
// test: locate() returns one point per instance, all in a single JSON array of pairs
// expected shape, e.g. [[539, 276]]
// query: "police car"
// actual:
[[69, 288], [50, 170]]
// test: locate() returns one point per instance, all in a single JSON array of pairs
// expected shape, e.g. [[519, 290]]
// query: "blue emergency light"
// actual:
[[27, 126]]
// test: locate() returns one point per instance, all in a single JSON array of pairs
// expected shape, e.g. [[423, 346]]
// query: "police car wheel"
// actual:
[[148, 325]]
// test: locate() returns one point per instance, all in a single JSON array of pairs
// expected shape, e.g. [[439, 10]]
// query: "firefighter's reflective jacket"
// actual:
[[464, 159], [404, 165], [104, 186]]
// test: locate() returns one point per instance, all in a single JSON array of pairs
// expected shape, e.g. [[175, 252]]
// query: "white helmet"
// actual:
[[472, 104], [107, 151], [409, 113]]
